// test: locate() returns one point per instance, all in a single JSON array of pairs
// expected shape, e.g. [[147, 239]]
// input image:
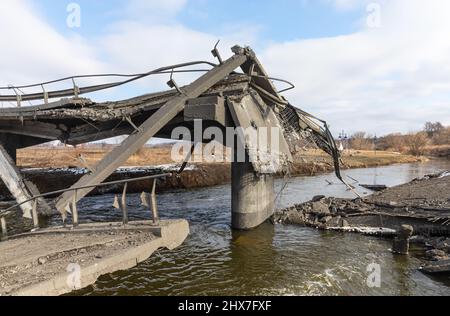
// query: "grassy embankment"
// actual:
[[309, 163]]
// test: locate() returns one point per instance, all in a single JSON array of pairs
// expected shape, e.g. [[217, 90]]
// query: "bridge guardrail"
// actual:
[[73, 209]]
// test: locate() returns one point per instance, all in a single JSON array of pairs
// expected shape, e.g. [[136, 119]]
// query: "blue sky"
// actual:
[[279, 20], [391, 76]]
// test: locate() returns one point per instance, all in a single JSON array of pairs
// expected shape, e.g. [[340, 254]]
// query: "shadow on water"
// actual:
[[270, 260]]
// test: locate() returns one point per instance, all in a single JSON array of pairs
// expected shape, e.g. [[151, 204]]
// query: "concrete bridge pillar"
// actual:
[[253, 197]]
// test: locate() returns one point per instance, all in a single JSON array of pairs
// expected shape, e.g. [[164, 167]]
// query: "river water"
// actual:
[[270, 260]]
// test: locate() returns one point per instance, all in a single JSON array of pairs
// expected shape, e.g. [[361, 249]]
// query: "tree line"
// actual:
[[433, 134]]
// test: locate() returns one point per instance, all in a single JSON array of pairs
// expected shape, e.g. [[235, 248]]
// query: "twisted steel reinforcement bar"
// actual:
[[89, 89], [94, 88]]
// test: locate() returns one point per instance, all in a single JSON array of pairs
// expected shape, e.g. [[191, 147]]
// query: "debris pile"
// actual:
[[421, 206], [333, 214]]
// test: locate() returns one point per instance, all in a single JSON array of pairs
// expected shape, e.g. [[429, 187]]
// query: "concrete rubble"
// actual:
[[422, 207]]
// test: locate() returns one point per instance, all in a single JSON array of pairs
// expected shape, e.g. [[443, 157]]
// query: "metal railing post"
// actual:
[[154, 204], [19, 100], [4, 229], [124, 204], [75, 210], [72, 205], [34, 214], [45, 94]]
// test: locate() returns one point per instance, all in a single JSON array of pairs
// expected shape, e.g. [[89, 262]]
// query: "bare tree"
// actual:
[[433, 128], [393, 142], [416, 143], [361, 141], [442, 138]]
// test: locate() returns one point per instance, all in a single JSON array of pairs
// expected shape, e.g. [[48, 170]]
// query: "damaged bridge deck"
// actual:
[[221, 98], [77, 121], [58, 260]]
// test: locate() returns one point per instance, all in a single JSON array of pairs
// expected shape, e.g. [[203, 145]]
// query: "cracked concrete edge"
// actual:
[[173, 234]]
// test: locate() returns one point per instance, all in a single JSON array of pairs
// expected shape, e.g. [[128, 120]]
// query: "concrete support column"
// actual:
[[253, 197]]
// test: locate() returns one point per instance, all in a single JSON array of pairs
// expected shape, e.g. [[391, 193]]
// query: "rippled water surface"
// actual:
[[270, 260]]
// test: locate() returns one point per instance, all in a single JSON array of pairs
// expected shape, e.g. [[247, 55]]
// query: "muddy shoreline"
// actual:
[[198, 175]]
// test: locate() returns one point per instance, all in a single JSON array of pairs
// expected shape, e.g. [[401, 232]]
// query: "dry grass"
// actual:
[[56, 157], [441, 151], [42, 157], [355, 159], [314, 162]]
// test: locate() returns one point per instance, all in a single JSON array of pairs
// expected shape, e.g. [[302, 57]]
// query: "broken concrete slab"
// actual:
[[392, 208], [56, 261]]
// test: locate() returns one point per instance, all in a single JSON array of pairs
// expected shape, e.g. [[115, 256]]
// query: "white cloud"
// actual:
[[392, 78], [33, 51], [36, 52], [135, 46]]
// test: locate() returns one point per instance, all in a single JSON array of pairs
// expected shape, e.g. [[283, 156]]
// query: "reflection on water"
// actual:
[[270, 260]]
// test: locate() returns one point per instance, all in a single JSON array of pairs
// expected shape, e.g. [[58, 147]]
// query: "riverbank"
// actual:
[[305, 162], [55, 168], [442, 152], [315, 162], [423, 204]]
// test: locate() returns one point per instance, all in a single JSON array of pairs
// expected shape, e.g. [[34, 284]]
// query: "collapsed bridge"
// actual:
[[222, 97]]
